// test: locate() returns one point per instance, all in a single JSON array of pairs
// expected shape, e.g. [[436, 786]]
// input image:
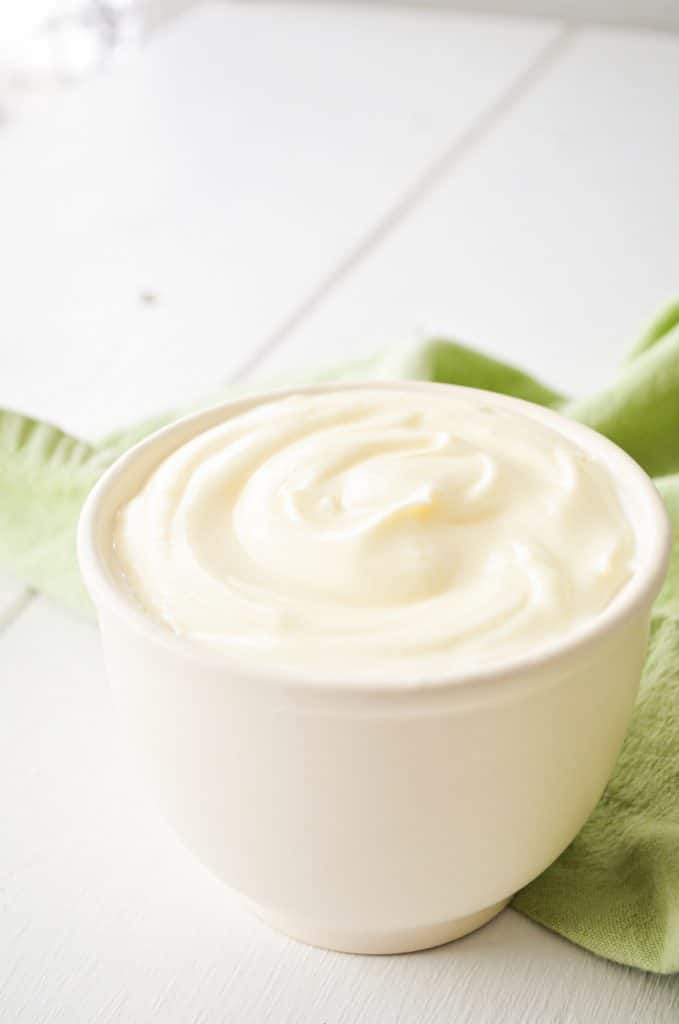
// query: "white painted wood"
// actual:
[[106, 918], [658, 14], [158, 224], [550, 244]]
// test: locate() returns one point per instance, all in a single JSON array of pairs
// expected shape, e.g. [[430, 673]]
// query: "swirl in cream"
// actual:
[[376, 530]]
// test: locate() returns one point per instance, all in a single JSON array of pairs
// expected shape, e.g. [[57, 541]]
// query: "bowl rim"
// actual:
[[635, 597]]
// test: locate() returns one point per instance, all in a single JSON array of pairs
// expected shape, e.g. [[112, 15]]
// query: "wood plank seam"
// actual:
[[15, 609], [517, 90]]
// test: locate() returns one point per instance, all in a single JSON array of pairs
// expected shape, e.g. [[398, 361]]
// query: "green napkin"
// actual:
[[615, 890]]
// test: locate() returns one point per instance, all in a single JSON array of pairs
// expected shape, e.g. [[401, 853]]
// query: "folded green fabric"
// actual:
[[615, 890]]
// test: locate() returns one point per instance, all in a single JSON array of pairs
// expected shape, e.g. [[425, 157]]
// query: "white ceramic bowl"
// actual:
[[375, 818]]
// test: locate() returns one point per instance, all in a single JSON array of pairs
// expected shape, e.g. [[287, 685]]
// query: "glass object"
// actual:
[[47, 45]]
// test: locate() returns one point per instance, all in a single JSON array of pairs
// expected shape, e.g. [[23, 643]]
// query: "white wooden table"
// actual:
[[294, 185]]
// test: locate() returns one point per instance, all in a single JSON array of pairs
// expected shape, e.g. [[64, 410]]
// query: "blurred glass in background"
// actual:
[[47, 45]]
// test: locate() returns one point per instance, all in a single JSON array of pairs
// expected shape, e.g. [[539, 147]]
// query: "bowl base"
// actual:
[[404, 940]]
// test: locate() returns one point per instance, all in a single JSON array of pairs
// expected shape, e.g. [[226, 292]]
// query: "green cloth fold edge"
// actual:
[[615, 889]]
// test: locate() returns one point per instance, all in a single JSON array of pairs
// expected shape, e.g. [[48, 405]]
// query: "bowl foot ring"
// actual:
[[405, 940]]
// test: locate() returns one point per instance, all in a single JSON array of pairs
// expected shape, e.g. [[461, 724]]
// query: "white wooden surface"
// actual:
[[295, 183], [224, 173], [550, 243], [648, 13]]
